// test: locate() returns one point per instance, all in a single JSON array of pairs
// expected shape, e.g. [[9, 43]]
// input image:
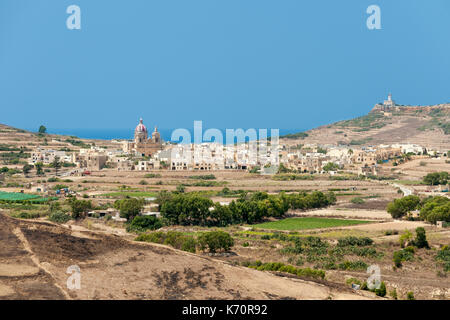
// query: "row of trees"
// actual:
[[56, 164], [191, 209], [432, 209]]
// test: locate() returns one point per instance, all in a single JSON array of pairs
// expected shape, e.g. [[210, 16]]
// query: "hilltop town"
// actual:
[[303, 152]]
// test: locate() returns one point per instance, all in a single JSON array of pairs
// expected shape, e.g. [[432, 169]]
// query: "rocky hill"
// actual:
[[428, 126]]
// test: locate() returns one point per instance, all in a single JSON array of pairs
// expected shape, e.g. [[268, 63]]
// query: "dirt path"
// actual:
[[18, 233]]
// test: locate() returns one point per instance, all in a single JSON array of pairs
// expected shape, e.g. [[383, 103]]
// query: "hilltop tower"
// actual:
[[389, 103]]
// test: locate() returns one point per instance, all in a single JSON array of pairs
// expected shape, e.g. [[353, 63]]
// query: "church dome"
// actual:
[[141, 127]]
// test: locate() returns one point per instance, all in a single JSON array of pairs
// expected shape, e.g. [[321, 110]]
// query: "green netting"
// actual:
[[19, 197]]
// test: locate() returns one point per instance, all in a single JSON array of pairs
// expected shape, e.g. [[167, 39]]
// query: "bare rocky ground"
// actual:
[[401, 128], [34, 257]]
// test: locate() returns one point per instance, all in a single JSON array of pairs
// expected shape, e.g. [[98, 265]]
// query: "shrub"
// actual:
[[281, 267], [353, 265], [403, 255], [410, 296], [405, 238], [351, 281], [175, 239], [152, 175], [393, 294], [357, 200], [443, 256], [189, 245], [204, 177], [59, 217], [381, 291], [354, 241], [26, 215], [143, 223], [390, 232], [215, 240], [421, 238]]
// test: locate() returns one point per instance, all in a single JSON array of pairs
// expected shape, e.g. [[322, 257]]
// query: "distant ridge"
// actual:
[[386, 123]]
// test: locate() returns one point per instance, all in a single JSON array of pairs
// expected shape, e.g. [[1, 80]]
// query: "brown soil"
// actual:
[[34, 257]]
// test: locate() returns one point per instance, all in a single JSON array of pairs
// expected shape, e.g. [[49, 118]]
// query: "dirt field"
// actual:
[[35, 256]]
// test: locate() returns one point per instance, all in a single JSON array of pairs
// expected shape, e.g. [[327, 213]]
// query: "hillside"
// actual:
[[428, 126], [34, 257], [13, 139]]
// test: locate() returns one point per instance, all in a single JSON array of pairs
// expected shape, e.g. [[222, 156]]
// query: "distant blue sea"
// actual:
[[109, 134]]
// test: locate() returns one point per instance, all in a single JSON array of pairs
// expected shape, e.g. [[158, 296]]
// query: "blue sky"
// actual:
[[284, 64]]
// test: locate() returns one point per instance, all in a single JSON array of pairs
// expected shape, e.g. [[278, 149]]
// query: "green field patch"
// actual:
[[21, 197], [307, 223]]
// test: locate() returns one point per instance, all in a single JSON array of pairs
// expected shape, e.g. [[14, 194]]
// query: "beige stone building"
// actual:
[[143, 144], [91, 161]]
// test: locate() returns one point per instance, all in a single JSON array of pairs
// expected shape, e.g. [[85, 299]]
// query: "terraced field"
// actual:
[[307, 223]]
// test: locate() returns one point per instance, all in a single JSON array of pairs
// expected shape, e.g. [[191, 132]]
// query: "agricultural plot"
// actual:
[[20, 197], [307, 223]]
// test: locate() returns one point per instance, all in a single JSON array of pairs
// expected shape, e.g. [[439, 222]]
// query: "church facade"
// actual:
[[143, 144]]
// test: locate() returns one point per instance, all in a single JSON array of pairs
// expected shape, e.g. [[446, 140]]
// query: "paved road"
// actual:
[[406, 191]]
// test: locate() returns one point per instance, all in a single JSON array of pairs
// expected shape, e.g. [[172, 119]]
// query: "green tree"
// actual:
[[436, 209], [410, 296], [79, 207], [436, 178], [181, 188], [381, 291], [42, 129], [129, 208], [421, 238], [26, 169], [143, 223], [331, 166], [39, 170], [215, 240], [186, 209], [399, 207], [56, 164]]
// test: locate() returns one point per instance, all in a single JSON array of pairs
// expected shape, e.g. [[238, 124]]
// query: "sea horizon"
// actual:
[[127, 134]]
